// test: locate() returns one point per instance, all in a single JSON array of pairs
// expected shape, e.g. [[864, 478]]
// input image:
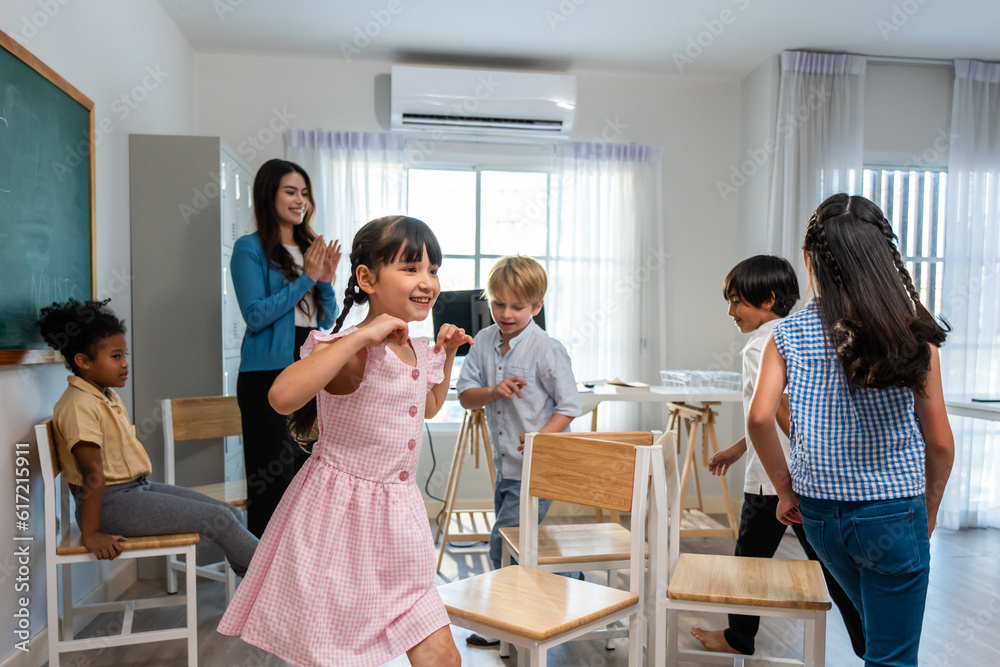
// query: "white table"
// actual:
[[964, 406]]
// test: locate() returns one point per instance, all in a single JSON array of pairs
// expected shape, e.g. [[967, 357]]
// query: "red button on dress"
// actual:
[[413, 411], [403, 476], [411, 444], [415, 374]]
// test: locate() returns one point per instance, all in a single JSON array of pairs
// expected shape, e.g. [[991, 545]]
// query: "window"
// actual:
[[478, 215], [914, 201]]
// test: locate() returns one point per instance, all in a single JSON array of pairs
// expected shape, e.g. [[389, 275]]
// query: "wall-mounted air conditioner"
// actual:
[[482, 102]]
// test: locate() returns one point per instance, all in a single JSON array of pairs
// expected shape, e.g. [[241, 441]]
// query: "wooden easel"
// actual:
[[694, 521], [479, 522]]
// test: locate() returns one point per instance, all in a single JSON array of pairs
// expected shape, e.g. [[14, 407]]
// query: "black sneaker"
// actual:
[[481, 642]]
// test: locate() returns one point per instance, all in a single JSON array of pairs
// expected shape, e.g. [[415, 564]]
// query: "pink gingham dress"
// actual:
[[344, 574]]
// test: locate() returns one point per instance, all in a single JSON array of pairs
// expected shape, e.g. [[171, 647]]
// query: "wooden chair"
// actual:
[[572, 547], [202, 418], [736, 585], [537, 610], [64, 546]]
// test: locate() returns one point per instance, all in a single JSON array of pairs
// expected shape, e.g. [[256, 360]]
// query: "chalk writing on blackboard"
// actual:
[[46, 222]]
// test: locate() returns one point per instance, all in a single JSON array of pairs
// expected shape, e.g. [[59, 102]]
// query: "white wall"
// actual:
[[126, 48], [242, 98]]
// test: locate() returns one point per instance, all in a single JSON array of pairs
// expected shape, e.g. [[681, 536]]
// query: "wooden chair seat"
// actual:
[[531, 603], [576, 543], [234, 493], [757, 582], [72, 544]]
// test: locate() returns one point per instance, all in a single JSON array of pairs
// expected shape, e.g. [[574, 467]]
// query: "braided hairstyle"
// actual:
[[378, 243], [868, 305], [74, 327]]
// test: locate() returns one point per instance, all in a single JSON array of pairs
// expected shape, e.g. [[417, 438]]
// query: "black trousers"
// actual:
[[760, 535], [271, 456]]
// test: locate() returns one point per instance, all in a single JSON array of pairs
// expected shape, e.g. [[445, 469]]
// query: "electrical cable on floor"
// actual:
[[427, 484]]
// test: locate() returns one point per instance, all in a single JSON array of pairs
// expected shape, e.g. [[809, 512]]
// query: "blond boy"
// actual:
[[523, 378]]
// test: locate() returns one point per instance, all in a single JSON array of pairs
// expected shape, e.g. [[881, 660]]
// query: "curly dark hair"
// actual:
[[74, 327]]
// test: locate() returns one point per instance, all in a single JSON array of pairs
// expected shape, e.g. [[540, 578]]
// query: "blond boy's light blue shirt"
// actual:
[[543, 363]]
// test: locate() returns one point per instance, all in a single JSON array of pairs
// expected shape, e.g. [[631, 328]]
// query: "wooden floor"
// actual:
[[961, 625]]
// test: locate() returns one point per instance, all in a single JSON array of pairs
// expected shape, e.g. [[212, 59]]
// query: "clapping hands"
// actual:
[[320, 260]]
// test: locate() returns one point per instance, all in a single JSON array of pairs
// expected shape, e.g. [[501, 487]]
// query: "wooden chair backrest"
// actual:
[[565, 465], [204, 417]]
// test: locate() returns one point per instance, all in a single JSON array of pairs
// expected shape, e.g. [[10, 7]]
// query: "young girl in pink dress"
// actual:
[[344, 573]]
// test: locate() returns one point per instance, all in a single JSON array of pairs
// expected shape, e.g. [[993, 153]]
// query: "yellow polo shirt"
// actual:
[[85, 414]]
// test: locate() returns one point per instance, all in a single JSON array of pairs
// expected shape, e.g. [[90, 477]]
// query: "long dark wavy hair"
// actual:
[[867, 302], [379, 242], [265, 190]]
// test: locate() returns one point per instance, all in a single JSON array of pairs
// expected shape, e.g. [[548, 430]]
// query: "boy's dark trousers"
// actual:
[[760, 535]]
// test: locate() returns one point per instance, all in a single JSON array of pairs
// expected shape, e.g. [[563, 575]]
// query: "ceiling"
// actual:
[[706, 38]]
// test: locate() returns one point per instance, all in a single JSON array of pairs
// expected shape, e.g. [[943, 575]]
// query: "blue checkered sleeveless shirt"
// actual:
[[861, 446]]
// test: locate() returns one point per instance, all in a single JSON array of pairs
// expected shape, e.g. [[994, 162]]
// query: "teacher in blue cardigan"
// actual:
[[283, 274]]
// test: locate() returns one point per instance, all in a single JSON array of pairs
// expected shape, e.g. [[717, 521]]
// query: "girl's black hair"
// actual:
[[265, 190], [868, 305], [74, 327], [756, 279], [379, 242]]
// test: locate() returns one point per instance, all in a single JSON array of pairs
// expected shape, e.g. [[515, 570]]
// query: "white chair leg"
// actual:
[[67, 596], [635, 623], [52, 612], [230, 584], [172, 574], [672, 621], [814, 654], [190, 567]]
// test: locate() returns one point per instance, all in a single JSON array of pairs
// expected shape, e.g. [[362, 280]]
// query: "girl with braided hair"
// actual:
[[871, 446], [344, 574]]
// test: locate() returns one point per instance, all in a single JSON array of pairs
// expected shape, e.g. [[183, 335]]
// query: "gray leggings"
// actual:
[[141, 507]]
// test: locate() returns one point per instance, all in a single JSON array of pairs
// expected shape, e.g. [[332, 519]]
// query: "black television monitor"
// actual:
[[467, 310]]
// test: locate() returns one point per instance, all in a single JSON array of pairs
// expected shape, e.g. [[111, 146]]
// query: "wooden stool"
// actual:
[[479, 522], [694, 521]]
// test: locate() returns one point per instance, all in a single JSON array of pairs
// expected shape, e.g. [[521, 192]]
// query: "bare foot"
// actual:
[[713, 640]]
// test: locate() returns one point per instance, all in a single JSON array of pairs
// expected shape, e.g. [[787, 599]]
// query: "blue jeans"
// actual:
[[507, 505], [879, 552]]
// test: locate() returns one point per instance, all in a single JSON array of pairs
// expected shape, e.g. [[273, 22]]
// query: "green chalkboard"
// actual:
[[46, 198]]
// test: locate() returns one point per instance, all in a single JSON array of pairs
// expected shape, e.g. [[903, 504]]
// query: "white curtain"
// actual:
[[971, 355], [607, 292], [356, 177], [818, 149]]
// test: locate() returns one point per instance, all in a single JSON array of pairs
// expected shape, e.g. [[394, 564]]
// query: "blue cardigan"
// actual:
[[268, 303]]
